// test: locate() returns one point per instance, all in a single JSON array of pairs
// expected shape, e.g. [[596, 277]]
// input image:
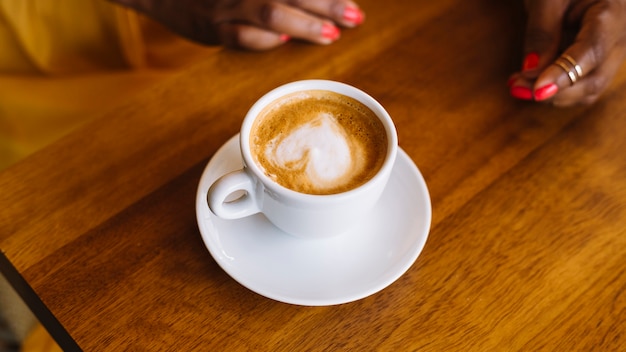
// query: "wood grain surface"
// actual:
[[526, 251]]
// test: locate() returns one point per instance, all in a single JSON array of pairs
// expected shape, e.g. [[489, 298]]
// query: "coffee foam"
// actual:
[[320, 149], [318, 142]]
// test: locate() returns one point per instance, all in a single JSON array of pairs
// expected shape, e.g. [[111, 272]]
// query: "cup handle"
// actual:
[[227, 185]]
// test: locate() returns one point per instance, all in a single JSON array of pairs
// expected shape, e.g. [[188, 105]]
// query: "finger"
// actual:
[[561, 75], [282, 18], [243, 36], [591, 87], [543, 34], [344, 12], [520, 87]]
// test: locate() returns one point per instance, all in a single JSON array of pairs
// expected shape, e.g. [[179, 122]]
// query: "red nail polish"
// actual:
[[531, 61], [330, 31], [521, 93], [284, 37], [546, 92], [353, 15]]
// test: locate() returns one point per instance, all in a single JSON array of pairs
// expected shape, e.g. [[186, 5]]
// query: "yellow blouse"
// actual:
[[62, 61], [67, 36]]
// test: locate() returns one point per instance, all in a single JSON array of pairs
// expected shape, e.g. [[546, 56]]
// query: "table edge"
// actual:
[[36, 305]]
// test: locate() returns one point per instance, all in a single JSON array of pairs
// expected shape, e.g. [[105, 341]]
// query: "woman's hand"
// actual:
[[568, 70], [252, 24]]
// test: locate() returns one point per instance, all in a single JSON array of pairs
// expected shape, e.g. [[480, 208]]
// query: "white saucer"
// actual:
[[319, 272]]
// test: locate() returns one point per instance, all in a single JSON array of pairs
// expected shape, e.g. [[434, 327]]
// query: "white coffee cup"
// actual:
[[296, 213]]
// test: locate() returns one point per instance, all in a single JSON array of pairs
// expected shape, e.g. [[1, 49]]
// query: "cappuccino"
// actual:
[[318, 142]]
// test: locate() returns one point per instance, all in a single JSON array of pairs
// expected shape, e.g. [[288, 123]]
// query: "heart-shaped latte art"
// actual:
[[319, 148]]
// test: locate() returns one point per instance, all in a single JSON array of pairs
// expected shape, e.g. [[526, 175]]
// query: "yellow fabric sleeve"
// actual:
[[67, 36], [64, 61]]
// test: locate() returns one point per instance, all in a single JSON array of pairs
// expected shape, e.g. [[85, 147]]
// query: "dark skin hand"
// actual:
[[563, 33], [252, 24]]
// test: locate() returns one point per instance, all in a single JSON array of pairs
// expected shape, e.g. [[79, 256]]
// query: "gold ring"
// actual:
[[563, 64], [572, 62]]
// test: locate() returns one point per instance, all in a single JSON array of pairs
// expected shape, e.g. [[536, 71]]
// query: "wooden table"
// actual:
[[526, 251]]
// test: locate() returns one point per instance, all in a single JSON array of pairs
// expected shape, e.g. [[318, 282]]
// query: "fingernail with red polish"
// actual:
[[330, 31], [521, 93], [546, 92], [353, 15], [531, 61], [284, 37]]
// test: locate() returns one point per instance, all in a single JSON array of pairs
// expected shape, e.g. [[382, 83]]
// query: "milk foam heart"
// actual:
[[320, 148], [318, 142]]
